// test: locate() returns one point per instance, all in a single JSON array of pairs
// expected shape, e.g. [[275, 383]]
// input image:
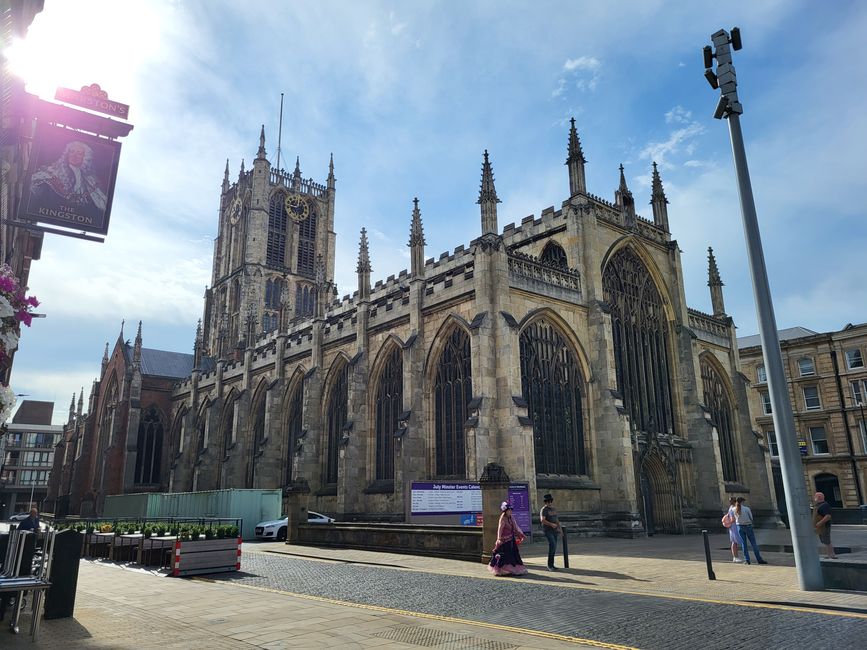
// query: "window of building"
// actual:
[[862, 427], [260, 437], [149, 448], [554, 255], [305, 300], [854, 359], [453, 390], [771, 437], [307, 245], [552, 382], [766, 404], [275, 252], [857, 392], [338, 412], [811, 398], [388, 407], [639, 330], [274, 294], [819, 440], [761, 375], [806, 366], [294, 428]]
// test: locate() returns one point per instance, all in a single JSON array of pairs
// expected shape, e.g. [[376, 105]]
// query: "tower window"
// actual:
[[307, 245], [554, 255], [275, 253]]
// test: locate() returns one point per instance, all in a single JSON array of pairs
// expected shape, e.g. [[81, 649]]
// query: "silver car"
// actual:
[[275, 530]]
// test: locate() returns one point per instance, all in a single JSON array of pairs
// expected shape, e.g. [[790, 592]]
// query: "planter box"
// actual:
[[196, 557]]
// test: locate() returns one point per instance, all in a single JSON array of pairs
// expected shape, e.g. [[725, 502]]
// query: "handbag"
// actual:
[[728, 520]]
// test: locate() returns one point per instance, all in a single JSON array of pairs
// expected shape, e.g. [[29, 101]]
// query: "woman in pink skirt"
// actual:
[[506, 560]]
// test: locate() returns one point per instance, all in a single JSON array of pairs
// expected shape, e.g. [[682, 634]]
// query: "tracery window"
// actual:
[[307, 244], [338, 409], [453, 390], [388, 407], [274, 293], [149, 448], [257, 438], [551, 383], [640, 333], [275, 252], [293, 427], [554, 255], [716, 399], [305, 300]]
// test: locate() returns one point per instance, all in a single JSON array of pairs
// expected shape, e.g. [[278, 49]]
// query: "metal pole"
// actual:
[[798, 504], [710, 574]]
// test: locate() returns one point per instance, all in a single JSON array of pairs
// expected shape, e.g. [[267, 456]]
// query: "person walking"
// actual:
[[551, 527], [744, 522], [32, 522], [728, 521], [505, 559], [822, 523]]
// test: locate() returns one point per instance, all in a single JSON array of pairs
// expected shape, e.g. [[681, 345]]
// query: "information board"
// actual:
[[461, 502]]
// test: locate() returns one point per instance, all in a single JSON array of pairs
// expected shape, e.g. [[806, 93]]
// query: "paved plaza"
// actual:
[[650, 593]]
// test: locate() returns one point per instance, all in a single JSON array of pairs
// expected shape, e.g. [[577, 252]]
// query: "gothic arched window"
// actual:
[[388, 407], [307, 244], [275, 251], [257, 439], [338, 409], [640, 333], [293, 427], [453, 390], [273, 293], [551, 383], [716, 399], [149, 449], [554, 255], [305, 300]]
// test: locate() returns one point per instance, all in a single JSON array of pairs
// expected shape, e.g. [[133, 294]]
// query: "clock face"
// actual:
[[235, 211], [297, 207]]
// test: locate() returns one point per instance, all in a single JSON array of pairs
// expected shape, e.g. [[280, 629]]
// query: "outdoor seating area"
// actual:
[[163, 543]]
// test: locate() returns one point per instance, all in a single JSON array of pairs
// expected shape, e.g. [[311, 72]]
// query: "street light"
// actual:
[[798, 505]]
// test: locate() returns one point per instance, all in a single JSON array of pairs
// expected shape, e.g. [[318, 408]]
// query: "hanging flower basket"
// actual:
[[15, 308]]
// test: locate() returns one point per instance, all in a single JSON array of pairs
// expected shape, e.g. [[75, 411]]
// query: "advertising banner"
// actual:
[[462, 502], [71, 179]]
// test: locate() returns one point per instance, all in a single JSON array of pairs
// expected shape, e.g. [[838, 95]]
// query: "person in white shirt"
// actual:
[[744, 522]]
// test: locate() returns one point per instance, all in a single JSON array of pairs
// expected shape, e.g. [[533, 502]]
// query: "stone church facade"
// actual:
[[561, 348]]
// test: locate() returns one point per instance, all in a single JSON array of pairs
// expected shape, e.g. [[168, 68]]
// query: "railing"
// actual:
[[305, 186], [707, 323], [532, 268]]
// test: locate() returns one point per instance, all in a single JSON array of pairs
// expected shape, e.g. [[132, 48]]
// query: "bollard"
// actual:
[[565, 548], [710, 574]]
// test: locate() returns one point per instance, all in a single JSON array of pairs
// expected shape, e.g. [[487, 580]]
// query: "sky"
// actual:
[[407, 96]]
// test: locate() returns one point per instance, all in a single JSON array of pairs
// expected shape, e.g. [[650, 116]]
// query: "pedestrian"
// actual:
[[32, 522], [744, 521], [728, 521], [505, 559], [551, 527], [822, 522]]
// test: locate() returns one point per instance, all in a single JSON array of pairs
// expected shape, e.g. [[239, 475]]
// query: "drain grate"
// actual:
[[430, 638]]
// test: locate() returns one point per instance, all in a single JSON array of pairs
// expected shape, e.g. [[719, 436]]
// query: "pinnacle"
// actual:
[[363, 254], [487, 191]]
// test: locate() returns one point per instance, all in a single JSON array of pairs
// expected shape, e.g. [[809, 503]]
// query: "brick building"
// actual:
[[827, 381], [561, 348], [118, 446], [26, 457]]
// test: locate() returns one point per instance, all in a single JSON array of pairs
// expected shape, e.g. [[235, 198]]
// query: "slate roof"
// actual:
[[34, 411], [785, 335], [162, 363]]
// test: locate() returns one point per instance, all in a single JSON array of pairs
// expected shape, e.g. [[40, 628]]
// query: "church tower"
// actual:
[[273, 227]]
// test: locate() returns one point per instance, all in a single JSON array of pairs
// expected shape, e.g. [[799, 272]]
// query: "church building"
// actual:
[[560, 348]]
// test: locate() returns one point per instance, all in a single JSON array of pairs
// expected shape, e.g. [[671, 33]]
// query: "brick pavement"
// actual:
[[119, 607], [666, 565]]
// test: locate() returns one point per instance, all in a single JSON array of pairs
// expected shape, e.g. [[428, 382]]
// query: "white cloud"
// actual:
[[584, 71], [678, 115], [582, 63]]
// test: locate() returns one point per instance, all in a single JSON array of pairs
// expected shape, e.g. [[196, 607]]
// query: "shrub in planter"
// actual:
[[106, 528], [209, 533], [233, 531]]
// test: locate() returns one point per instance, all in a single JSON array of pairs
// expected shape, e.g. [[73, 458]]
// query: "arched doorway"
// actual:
[[657, 497], [829, 485]]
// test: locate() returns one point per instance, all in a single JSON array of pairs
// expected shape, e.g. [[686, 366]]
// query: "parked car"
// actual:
[[276, 529]]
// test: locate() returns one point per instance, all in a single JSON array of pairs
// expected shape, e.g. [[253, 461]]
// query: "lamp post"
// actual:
[[798, 504]]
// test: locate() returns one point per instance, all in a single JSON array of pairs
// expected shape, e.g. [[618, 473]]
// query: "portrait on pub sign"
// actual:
[[71, 181]]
